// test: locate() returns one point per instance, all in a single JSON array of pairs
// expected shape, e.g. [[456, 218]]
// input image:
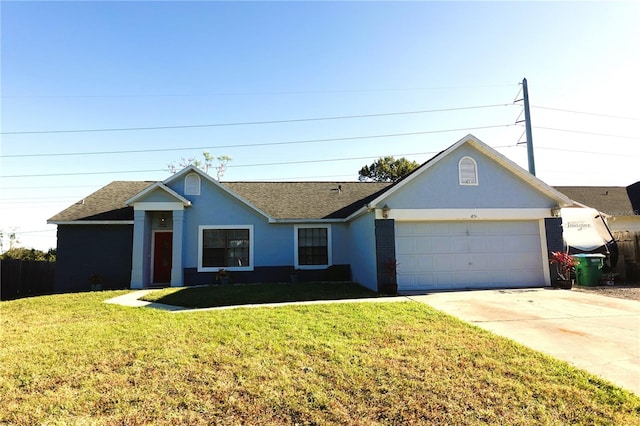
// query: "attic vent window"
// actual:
[[468, 171], [192, 184]]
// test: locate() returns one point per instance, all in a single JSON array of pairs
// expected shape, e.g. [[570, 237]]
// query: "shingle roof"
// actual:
[[611, 200], [308, 200], [280, 200], [106, 203]]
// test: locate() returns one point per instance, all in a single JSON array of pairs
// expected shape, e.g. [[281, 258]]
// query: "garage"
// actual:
[[468, 254]]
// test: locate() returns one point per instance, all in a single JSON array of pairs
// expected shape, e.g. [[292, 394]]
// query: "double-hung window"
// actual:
[[313, 246], [225, 247]]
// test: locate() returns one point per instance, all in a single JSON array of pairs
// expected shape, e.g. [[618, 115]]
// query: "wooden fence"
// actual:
[[629, 261], [24, 278]]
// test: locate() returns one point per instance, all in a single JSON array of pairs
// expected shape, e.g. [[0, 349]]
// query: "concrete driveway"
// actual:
[[596, 333]]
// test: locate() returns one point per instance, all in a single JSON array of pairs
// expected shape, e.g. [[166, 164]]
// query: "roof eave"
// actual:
[[309, 220], [204, 175], [158, 185], [561, 199], [89, 222]]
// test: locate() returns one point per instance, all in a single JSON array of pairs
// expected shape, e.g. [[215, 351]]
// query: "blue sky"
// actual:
[[114, 65]]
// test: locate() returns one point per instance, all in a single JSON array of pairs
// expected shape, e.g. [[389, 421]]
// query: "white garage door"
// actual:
[[479, 254]]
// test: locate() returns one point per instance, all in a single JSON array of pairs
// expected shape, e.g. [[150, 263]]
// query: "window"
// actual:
[[468, 171], [192, 184], [312, 246], [225, 247]]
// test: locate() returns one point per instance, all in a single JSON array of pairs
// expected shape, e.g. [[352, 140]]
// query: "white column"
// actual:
[[137, 256], [176, 257]]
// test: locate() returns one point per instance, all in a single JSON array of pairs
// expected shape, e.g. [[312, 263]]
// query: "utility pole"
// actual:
[[527, 126]]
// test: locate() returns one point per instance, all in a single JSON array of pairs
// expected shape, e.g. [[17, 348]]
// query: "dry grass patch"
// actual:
[[71, 359]]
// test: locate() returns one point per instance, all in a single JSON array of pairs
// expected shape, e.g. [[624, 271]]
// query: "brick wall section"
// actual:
[[553, 229], [385, 249]]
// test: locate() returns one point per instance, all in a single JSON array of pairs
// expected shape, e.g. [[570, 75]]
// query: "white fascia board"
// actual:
[[188, 169], [158, 206], [561, 199], [161, 186], [413, 215], [90, 222], [310, 221], [429, 164], [211, 180], [362, 210]]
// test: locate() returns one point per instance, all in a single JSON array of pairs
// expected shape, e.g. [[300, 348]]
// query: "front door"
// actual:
[[162, 250]]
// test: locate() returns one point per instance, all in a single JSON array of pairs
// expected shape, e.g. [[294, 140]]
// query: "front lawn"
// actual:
[[72, 359], [243, 294]]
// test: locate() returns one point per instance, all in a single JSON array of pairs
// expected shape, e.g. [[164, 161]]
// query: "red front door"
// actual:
[[162, 249]]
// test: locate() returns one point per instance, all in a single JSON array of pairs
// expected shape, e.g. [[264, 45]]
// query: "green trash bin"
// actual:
[[589, 270]]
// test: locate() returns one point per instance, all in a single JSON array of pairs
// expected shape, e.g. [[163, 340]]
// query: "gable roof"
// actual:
[[193, 169], [282, 201], [106, 204], [563, 200], [611, 200], [162, 187]]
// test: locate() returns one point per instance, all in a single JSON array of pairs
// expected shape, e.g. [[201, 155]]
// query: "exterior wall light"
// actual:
[[385, 211]]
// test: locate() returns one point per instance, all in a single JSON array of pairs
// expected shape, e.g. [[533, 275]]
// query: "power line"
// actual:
[[586, 113], [247, 123], [290, 162], [293, 178], [580, 151], [84, 173], [322, 161], [45, 187], [587, 133], [62, 154], [231, 165], [285, 163], [290, 92]]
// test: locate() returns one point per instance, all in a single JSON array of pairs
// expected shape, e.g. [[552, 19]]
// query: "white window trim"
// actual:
[[201, 230], [475, 166], [295, 247], [192, 175]]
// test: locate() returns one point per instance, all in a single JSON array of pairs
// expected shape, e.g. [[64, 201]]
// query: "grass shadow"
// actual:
[[249, 294]]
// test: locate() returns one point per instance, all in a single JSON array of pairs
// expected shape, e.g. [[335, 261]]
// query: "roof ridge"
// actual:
[[302, 181]]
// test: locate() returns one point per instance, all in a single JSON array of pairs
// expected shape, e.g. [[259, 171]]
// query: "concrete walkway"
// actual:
[[596, 333], [131, 299]]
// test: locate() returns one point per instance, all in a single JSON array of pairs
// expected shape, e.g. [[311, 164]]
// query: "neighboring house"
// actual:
[[467, 218]]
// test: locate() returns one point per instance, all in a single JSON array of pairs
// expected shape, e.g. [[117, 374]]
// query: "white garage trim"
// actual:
[[544, 252], [464, 214], [456, 254]]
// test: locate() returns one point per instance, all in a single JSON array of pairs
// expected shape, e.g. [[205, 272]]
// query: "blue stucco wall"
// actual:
[[84, 250], [273, 242], [438, 187]]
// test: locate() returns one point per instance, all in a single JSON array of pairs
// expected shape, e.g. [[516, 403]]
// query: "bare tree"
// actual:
[[205, 164]]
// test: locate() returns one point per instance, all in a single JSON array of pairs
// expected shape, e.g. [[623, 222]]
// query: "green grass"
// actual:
[[243, 294], [72, 359]]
